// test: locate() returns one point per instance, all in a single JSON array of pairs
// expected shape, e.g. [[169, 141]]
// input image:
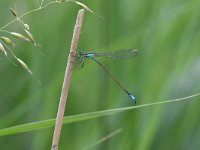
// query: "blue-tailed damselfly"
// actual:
[[120, 54]]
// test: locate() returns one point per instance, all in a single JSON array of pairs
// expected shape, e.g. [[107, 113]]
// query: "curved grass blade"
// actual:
[[82, 117], [103, 139]]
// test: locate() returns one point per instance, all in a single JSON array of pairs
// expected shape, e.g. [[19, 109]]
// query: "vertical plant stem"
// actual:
[[66, 82]]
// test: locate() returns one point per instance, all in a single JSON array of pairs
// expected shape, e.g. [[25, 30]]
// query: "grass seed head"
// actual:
[[30, 36], [26, 26], [13, 12], [19, 36], [23, 64], [2, 49], [7, 41], [84, 6]]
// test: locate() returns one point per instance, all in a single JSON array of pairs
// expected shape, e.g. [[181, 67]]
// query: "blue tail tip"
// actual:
[[132, 98]]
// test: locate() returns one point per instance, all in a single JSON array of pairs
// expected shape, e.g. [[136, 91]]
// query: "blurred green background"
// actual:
[[167, 35]]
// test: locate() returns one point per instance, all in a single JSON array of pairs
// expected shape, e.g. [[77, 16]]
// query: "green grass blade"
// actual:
[[82, 117]]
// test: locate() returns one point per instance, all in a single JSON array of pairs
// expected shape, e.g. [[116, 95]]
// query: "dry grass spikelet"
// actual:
[[23, 64], [7, 41], [13, 12], [2, 49], [19, 36], [30, 36]]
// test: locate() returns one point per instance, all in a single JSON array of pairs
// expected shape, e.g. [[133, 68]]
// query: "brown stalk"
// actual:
[[66, 82]]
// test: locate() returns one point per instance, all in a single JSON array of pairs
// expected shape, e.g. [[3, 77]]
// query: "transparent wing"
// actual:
[[120, 54]]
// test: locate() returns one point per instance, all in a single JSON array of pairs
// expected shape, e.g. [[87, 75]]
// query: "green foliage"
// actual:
[[166, 33]]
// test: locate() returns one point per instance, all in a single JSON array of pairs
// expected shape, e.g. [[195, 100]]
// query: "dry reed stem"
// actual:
[[66, 82]]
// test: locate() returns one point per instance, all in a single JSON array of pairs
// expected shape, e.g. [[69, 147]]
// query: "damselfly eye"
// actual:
[[78, 54]]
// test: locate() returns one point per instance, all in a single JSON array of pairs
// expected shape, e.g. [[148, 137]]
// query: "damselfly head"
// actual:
[[79, 59], [79, 54]]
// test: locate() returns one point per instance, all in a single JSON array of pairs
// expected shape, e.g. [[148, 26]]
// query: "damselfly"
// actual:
[[120, 54]]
